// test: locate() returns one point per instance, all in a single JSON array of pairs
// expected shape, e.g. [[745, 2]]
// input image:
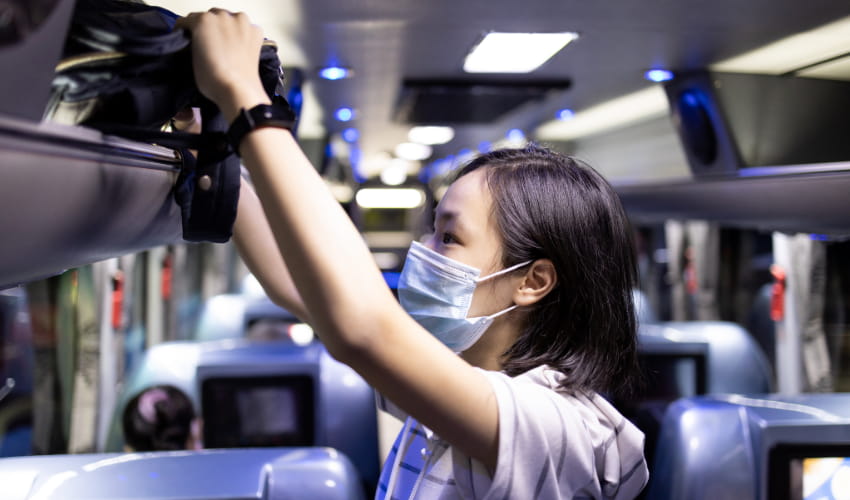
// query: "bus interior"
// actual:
[[721, 125]]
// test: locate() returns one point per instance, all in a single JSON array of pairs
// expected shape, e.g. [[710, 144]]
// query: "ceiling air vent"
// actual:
[[446, 102]]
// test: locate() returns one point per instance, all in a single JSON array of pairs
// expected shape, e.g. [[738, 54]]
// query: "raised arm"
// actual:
[[349, 304], [254, 238], [259, 251]]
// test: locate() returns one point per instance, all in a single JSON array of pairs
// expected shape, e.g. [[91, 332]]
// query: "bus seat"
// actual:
[[751, 447], [702, 453], [736, 363], [16, 442], [256, 474], [327, 403], [221, 317], [687, 359], [643, 308], [231, 316]]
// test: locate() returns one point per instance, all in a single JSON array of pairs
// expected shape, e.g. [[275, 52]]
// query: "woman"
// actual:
[[527, 276]]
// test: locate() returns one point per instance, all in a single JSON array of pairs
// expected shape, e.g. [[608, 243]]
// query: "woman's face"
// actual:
[[465, 230]]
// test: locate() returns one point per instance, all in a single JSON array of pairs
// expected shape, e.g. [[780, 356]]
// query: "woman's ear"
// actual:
[[539, 280]]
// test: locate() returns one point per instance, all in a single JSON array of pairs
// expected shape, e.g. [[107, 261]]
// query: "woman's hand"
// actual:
[[225, 59]]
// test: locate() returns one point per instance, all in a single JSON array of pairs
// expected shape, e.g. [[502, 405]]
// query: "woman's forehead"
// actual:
[[466, 197]]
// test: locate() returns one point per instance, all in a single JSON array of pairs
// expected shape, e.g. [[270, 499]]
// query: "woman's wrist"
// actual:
[[235, 100]]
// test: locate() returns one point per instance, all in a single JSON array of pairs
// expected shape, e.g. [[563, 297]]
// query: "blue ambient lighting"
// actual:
[[350, 135], [515, 135], [565, 114], [334, 73], [658, 75], [344, 114]]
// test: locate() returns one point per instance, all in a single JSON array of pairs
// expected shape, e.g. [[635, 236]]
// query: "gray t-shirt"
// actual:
[[552, 445]]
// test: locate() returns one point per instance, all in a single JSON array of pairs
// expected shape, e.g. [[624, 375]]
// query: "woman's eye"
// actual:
[[447, 238]]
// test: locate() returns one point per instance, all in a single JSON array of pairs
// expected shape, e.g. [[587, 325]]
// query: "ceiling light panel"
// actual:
[[515, 52], [389, 198], [413, 151], [431, 135]]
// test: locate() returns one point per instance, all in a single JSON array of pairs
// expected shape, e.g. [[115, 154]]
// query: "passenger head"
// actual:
[[546, 205], [160, 418]]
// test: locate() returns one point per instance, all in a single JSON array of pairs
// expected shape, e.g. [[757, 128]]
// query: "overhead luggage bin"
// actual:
[[72, 196], [765, 152], [261, 474], [799, 198]]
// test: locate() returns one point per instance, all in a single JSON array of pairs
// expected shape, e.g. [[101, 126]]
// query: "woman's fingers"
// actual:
[[225, 55]]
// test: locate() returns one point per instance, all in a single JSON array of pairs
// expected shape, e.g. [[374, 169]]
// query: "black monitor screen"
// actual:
[[670, 376], [258, 411], [809, 472]]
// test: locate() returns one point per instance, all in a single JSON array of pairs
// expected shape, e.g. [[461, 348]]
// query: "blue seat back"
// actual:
[[735, 364], [343, 406], [245, 474], [733, 446]]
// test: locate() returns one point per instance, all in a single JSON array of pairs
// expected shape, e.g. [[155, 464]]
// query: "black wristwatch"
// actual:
[[278, 114]]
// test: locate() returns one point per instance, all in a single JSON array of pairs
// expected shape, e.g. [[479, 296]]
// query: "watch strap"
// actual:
[[277, 114]]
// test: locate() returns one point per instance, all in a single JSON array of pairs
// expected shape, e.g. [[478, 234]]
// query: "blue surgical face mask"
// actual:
[[437, 291]]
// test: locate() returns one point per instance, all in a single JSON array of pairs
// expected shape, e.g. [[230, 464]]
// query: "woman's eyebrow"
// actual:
[[444, 214]]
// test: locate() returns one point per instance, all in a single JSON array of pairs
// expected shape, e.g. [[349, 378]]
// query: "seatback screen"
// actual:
[[809, 472], [823, 478], [258, 411]]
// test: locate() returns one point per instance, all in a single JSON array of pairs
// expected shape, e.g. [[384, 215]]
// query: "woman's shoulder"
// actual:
[[538, 395], [582, 431]]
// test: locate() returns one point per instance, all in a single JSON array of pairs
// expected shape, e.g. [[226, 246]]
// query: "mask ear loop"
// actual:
[[504, 271]]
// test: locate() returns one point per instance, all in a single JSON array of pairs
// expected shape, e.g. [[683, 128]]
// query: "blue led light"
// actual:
[[350, 135], [334, 73], [658, 75], [344, 114], [515, 135], [565, 114], [484, 146]]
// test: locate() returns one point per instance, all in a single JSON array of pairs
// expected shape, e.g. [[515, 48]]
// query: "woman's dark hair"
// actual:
[[158, 418], [553, 206]]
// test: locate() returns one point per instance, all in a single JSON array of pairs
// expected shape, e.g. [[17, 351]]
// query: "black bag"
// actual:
[[125, 71]]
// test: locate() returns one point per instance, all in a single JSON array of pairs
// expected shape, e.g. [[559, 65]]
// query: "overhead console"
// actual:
[[729, 122], [765, 152]]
